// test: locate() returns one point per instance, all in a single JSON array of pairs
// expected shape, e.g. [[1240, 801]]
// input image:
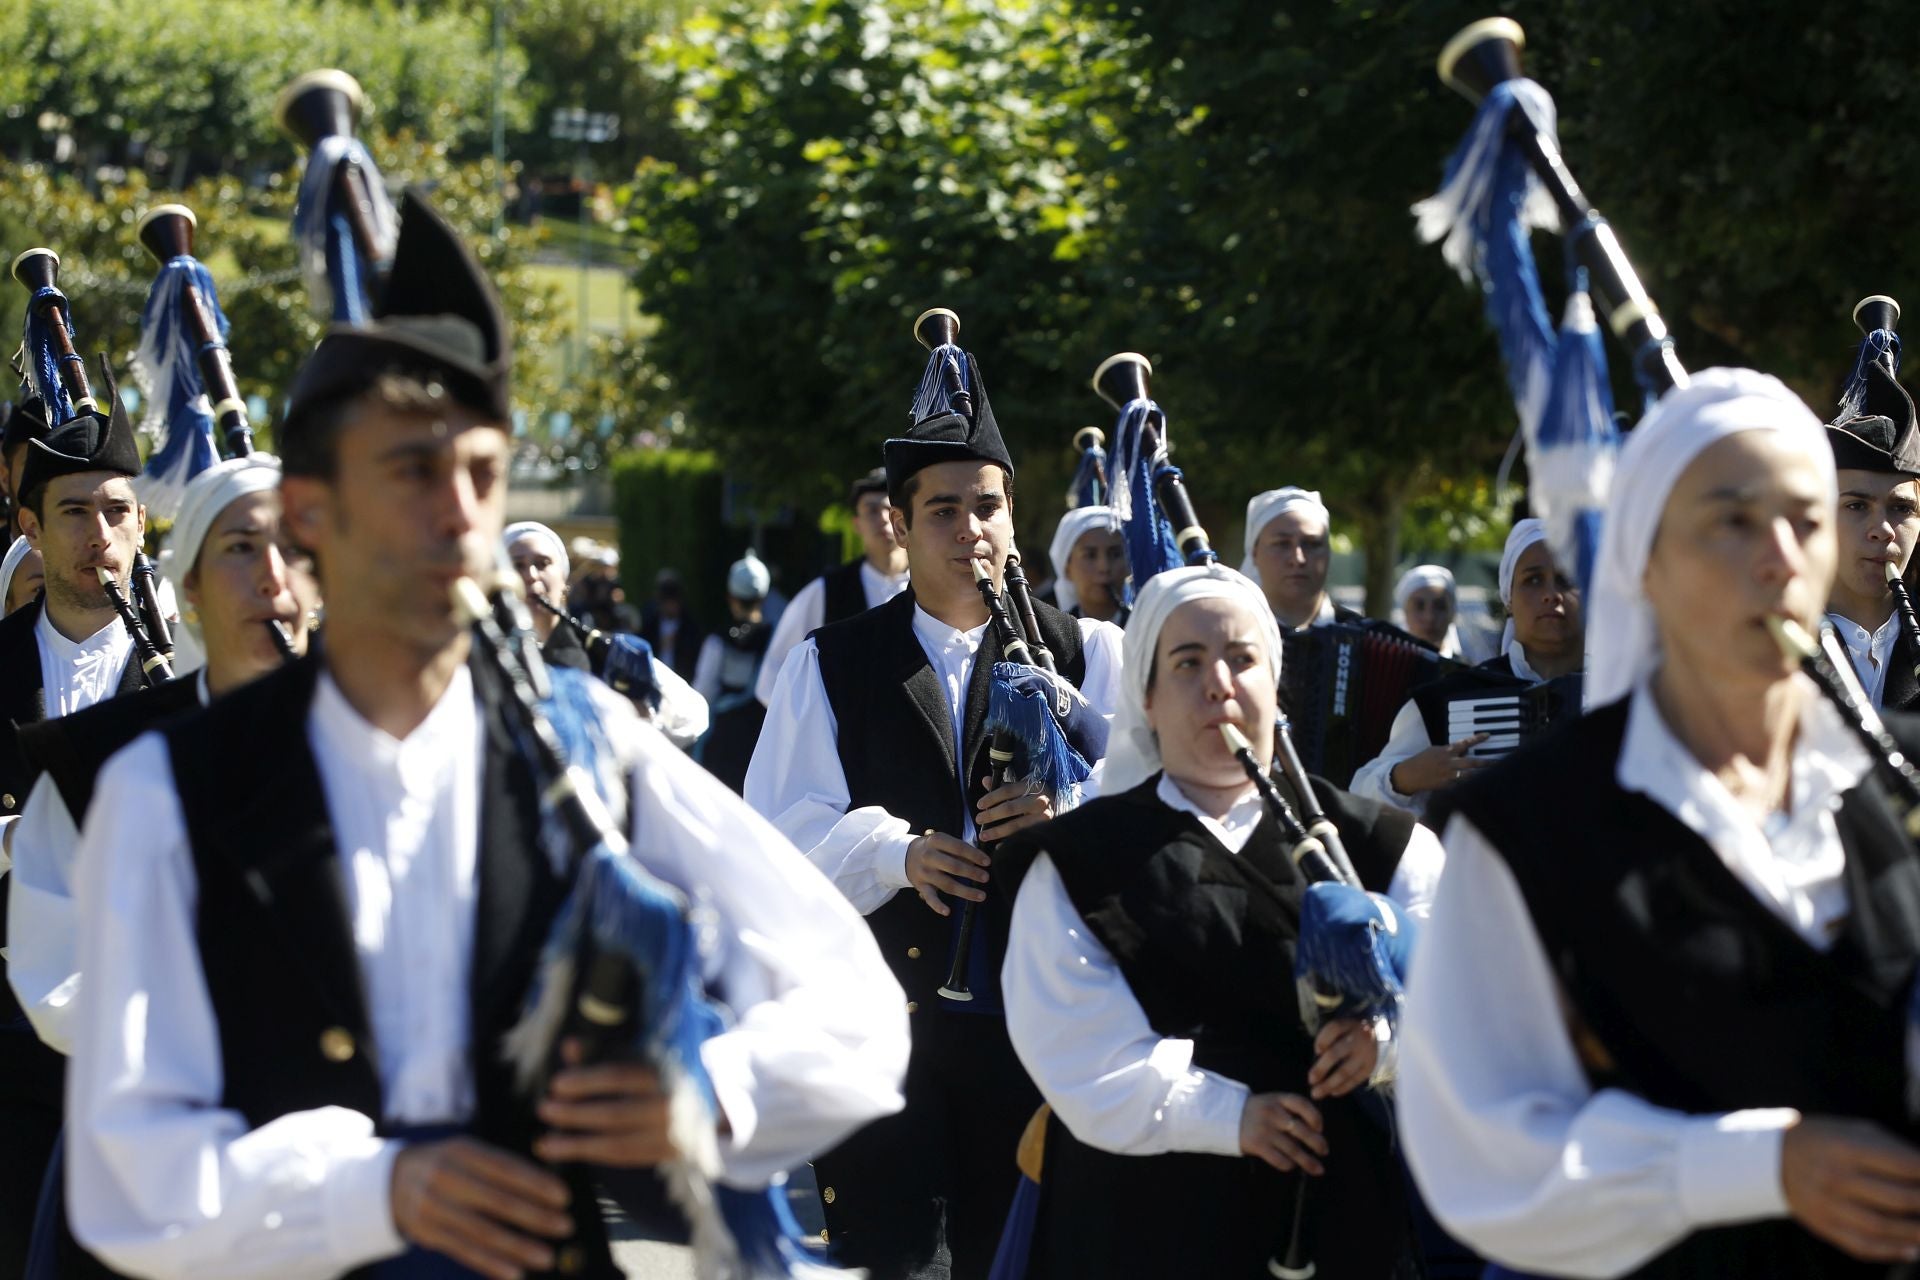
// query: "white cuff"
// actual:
[[359, 1202], [730, 1068], [890, 859], [1729, 1166], [1386, 1064], [1204, 1110]]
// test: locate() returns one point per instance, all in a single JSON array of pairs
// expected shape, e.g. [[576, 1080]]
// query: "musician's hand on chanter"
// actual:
[[938, 863], [1347, 1054], [481, 1206], [1436, 767], [611, 1113], [1284, 1129], [1854, 1185], [1014, 807]]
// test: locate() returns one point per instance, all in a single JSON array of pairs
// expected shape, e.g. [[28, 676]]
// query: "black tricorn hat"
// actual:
[[1883, 435], [89, 441], [437, 319], [946, 427]]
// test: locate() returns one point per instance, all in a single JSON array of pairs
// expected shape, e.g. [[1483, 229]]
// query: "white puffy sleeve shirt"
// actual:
[[165, 1182], [797, 782], [1514, 1150]]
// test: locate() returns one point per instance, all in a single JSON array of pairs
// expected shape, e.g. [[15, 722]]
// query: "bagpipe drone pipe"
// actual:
[[344, 224], [621, 970], [57, 375], [1042, 732]]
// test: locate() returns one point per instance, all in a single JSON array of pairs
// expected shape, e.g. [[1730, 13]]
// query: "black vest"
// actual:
[[73, 749], [1687, 990], [1901, 689], [1205, 940], [275, 942], [897, 750], [845, 593], [29, 1070], [563, 648]]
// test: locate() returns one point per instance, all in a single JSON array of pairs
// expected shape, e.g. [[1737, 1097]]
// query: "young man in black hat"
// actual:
[[325, 897], [873, 760], [1876, 453], [59, 654], [876, 577]]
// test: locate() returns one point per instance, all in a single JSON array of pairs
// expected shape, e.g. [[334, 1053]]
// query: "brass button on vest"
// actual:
[[913, 1006], [826, 1194], [336, 1044], [913, 953]]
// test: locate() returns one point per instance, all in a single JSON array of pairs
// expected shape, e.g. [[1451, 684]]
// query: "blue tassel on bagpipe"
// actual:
[[339, 276], [1572, 452], [931, 398], [1058, 732], [43, 361], [1353, 954], [178, 418], [1084, 490], [615, 906], [1488, 205], [1131, 493], [629, 669], [1881, 345]]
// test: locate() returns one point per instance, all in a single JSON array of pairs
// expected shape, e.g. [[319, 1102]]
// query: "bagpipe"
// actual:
[[344, 224], [1088, 488], [1878, 318], [620, 972], [1040, 729], [57, 374]]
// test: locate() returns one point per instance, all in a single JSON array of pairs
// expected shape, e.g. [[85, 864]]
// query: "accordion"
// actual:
[[1509, 710], [1342, 684]]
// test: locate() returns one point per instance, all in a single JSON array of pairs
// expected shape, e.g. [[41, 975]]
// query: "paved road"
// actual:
[[644, 1259]]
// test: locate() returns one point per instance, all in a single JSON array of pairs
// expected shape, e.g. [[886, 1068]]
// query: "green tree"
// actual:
[[847, 166]]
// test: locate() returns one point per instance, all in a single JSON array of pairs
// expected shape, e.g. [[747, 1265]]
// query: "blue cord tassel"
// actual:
[[339, 275], [931, 398], [1020, 701], [1571, 455], [616, 907], [43, 362], [177, 418], [1354, 946], [1878, 346], [1084, 491], [1145, 527], [1488, 204]]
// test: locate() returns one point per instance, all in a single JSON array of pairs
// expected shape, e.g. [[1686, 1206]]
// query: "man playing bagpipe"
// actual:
[[1657, 1022], [1288, 553], [667, 701], [58, 655], [1542, 641], [876, 577], [312, 912], [875, 760], [1150, 988], [1876, 451]]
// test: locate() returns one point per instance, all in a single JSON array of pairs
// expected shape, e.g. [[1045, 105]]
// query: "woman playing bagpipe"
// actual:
[[1148, 988], [621, 659], [1659, 1020], [1542, 642]]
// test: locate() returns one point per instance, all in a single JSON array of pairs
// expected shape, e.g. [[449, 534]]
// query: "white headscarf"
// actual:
[[1133, 753], [1420, 578], [1522, 536], [1623, 640], [1065, 537], [558, 549], [1263, 507], [205, 497], [9, 566]]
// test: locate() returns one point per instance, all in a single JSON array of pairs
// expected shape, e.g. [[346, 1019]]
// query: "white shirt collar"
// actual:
[[75, 652], [1517, 656], [1871, 651], [1232, 830], [1794, 862], [939, 638], [421, 755]]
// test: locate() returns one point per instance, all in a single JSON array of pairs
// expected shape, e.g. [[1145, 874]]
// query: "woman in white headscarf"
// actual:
[[1288, 553], [1657, 1017], [21, 576], [1089, 558], [234, 577], [1145, 988], [1542, 641]]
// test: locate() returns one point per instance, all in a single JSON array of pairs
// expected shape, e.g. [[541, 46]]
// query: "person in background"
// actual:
[[877, 576], [726, 673], [1288, 555], [1429, 606], [21, 576], [1089, 559], [667, 625]]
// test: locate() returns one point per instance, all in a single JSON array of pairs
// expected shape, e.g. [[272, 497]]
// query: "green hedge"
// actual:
[[668, 502]]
